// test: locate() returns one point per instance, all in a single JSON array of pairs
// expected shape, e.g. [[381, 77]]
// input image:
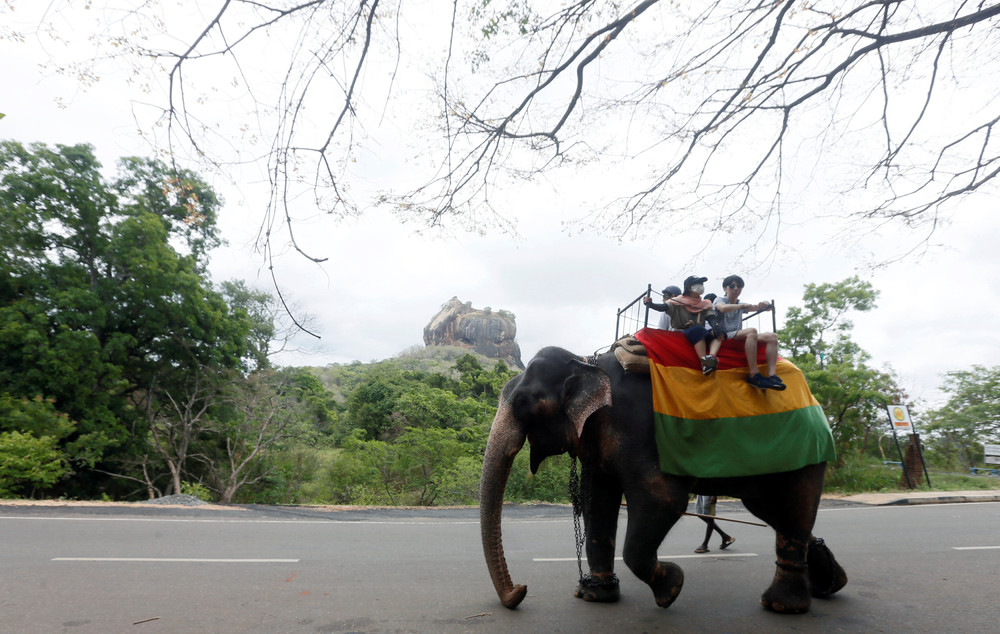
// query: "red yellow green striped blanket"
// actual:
[[721, 426]]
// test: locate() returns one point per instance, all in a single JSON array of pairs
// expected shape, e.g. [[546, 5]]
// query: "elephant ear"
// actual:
[[586, 390]]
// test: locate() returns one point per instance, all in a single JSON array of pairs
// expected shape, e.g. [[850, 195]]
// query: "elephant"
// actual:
[[602, 415]]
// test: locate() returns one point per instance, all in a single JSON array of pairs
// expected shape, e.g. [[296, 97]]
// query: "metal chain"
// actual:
[[574, 495]]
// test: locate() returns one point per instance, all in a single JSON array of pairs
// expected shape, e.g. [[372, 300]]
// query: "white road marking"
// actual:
[[180, 560], [705, 556], [975, 547]]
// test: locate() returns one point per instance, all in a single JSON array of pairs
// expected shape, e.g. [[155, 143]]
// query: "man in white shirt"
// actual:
[[730, 311]]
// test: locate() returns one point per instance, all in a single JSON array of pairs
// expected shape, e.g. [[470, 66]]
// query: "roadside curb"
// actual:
[[923, 497]]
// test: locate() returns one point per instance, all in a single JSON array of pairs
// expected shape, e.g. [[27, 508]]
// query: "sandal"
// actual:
[[726, 543], [700, 549]]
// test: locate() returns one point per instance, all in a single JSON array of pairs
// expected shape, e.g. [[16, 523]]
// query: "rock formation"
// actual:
[[489, 333]]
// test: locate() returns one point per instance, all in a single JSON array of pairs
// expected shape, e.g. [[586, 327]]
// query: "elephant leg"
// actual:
[[790, 507], [649, 520], [826, 576], [601, 505]]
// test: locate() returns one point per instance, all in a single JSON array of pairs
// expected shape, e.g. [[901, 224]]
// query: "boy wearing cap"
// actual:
[[668, 292], [689, 313], [731, 310]]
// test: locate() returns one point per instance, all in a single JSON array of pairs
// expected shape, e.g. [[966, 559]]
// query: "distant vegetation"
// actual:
[[126, 374]]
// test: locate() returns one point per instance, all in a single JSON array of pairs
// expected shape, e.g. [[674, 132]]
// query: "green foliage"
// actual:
[[27, 462], [550, 484], [36, 416], [258, 418], [817, 338], [476, 381], [372, 404], [421, 467], [316, 401], [971, 417], [512, 17], [254, 306], [290, 481], [387, 399], [821, 328], [197, 490], [855, 473], [103, 300], [863, 474], [945, 481]]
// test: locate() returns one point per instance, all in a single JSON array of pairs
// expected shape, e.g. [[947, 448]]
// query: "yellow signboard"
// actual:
[[899, 418]]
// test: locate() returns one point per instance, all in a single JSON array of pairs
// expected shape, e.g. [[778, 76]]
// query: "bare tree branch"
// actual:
[[723, 112]]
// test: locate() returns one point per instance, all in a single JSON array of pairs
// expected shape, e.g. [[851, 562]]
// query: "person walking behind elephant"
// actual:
[[705, 505], [689, 314], [730, 311], [668, 292]]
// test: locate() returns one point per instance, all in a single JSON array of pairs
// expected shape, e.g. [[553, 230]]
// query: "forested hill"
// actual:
[[410, 430], [339, 378]]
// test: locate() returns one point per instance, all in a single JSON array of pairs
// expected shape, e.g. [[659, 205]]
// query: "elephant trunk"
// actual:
[[506, 439]]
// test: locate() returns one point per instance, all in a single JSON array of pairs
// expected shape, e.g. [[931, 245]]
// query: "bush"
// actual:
[[550, 484], [197, 490], [861, 474], [29, 462]]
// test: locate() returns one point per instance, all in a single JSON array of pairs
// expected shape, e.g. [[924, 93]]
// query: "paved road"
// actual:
[[912, 568]]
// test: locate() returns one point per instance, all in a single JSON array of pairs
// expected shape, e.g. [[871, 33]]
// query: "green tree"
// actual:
[[970, 417], [427, 407], [30, 456], [256, 307], [317, 402], [421, 467], [371, 405], [476, 381], [103, 299], [27, 461], [817, 338], [821, 326], [265, 417]]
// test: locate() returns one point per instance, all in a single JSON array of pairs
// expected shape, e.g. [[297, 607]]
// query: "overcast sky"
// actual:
[[384, 280]]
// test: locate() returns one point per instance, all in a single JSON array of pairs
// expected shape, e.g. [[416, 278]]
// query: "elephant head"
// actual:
[[548, 404]]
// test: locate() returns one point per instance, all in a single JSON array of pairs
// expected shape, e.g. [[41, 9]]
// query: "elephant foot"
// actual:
[[826, 576], [668, 579], [789, 592], [598, 589]]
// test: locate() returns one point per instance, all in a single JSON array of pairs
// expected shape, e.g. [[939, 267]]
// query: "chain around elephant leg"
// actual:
[[599, 588], [789, 592]]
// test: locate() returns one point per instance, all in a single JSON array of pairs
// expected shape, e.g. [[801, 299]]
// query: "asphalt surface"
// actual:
[[917, 562], [347, 513]]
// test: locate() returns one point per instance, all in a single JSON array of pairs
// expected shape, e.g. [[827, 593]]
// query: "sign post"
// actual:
[[899, 420], [992, 454]]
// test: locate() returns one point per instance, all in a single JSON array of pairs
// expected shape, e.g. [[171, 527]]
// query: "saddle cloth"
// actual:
[[719, 425]]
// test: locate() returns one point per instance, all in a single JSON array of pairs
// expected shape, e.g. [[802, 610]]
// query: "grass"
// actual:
[[864, 475]]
